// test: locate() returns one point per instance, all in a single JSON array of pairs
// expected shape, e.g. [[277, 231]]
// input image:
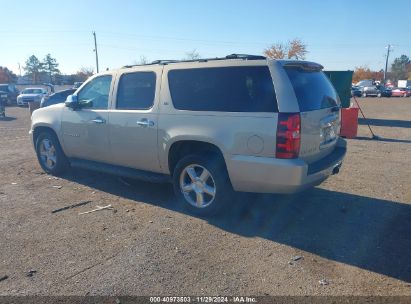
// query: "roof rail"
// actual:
[[232, 56], [245, 57], [164, 61]]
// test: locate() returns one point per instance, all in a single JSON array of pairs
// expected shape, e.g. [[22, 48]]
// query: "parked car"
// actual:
[[29, 95], [401, 92], [3, 103], [11, 91], [371, 91], [356, 91], [56, 98], [77, 85], [385, 92], [212, 126]]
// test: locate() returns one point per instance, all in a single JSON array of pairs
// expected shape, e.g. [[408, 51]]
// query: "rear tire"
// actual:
[[201, 184], [50, 155], [379, 95]]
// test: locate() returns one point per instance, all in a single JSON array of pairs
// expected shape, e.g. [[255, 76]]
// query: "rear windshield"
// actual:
[[313, 89], [227, 89]]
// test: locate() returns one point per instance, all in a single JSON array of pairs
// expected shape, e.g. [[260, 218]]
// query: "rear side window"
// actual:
[[313, 89], [228, 89], [136, 91]]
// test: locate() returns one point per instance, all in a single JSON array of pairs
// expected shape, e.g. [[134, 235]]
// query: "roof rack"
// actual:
[[232, 56], [245, 57]]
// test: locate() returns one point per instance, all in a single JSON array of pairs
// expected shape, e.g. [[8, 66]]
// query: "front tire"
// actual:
[[201, 184], [50, 155], [364, 94]]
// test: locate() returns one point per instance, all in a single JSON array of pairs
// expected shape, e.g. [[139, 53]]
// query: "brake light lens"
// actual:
[[288, 135]]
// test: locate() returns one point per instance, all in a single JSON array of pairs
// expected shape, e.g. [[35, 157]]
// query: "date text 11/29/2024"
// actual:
[[203, 299]]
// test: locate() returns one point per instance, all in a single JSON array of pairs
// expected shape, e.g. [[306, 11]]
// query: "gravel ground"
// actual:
[[353, 230]]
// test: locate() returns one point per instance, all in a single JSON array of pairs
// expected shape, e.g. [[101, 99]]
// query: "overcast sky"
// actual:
[[339, 34]]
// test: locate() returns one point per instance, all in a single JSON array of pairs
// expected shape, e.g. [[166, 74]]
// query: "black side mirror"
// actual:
[[72, 102]]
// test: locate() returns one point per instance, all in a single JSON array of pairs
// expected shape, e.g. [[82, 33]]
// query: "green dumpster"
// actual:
[[342, 81]]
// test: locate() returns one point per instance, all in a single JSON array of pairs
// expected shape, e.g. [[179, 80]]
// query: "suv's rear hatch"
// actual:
[[319, 109]]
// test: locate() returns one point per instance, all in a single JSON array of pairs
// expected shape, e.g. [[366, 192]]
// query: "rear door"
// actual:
[[134, 119], [319, 107]]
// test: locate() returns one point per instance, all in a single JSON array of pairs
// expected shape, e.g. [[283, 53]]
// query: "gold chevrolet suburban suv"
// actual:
[[209, 126]]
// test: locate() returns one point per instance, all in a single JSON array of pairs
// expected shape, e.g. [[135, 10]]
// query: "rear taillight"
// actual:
[[288, 135]]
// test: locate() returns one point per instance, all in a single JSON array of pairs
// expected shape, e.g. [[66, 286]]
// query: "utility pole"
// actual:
[[95, 49], [388, 47]]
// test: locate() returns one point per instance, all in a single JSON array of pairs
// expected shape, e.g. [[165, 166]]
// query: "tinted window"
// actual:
[[313, 89], [96, 91], [228, 89], [136, 91], [58, 97]]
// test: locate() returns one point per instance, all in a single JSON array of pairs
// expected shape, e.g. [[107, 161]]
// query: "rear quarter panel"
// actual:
[[233, 133]]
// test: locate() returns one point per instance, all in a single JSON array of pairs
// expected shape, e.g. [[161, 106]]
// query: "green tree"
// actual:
[[50, 65], [399, 68], [33, 68]]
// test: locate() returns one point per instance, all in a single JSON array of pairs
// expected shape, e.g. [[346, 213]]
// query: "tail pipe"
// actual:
[[336, 169]]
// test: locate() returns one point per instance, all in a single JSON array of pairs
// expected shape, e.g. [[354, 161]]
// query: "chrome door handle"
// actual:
[[145, 123], [98, 121]]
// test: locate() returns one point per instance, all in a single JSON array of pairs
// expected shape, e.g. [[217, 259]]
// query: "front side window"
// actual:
[[227, 89], [136, 91], [95, 94]]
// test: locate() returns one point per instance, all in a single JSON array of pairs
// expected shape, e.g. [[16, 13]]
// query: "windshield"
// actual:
[[313, 89], [32, 91]]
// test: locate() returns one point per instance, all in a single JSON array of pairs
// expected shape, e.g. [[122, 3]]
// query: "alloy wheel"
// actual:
[[198, 186], [48, 155]]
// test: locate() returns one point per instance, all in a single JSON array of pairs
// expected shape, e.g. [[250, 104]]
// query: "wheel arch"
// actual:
[[37, 130], [180, 148]]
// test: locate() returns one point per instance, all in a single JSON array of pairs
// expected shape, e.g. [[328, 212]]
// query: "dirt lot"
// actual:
[[353, 230]]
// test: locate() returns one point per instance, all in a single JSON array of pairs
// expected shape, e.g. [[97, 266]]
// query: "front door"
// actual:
[[134, 119], [84, 130]]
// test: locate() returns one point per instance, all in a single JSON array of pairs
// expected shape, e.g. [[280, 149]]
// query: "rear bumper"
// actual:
[[271, 175]]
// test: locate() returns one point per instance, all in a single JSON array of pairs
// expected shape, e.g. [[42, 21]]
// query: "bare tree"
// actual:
[[83, 74], [276, 51], [297, 49], [193, 55], [293, 49], [7, 76], [143, 60]]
